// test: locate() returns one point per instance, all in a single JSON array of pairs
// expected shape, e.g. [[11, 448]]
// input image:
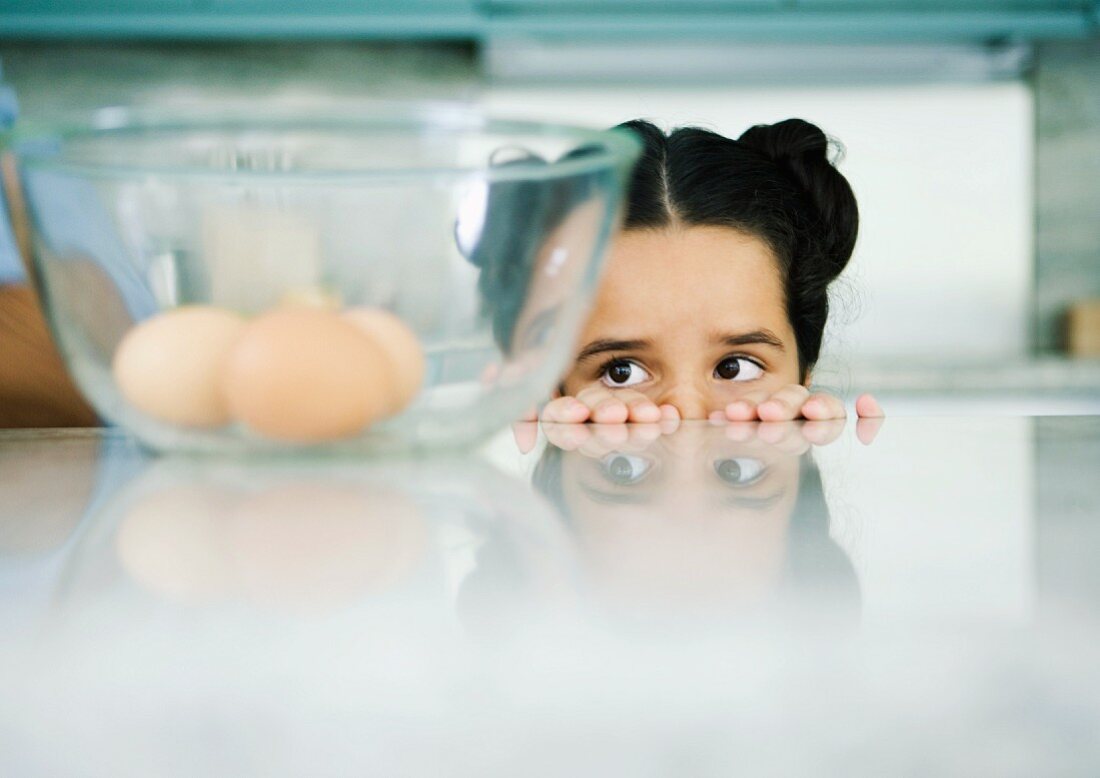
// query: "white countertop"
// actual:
[[713, 600]]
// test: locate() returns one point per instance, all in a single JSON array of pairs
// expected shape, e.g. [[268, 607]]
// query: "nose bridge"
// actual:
[[687, 395]]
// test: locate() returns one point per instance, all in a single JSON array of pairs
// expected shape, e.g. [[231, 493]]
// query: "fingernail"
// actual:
[[737, 409]]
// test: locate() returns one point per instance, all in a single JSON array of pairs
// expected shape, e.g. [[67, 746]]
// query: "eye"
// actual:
[[741, 471], [625, 469], [622, 372], [737, 369]]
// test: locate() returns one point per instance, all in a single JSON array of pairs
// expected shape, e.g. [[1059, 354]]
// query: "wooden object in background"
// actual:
[[35, 388], [1083, 329]]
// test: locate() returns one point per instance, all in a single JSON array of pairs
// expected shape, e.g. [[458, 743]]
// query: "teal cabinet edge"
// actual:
[[470, 20], [228, 25]]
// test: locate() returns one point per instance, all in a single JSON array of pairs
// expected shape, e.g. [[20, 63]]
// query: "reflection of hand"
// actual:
[[597, 440]]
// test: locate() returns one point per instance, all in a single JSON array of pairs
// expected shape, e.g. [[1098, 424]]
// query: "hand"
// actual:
[[795, 401], [600, 405], [596, 440]]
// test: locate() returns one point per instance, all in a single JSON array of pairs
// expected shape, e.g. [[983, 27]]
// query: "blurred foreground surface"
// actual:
[[920, 596]]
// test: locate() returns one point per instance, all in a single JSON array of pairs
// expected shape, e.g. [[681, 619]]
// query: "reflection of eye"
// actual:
[[741, 471], [625, 469], [623, 372], [737, 369]]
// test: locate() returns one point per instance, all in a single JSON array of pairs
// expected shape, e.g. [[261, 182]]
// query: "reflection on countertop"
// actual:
[[593, 599], [1047, 385]]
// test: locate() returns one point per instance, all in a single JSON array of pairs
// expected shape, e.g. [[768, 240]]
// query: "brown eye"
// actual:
[[728, 369], [737, 369], [620, 373], [623, 373]]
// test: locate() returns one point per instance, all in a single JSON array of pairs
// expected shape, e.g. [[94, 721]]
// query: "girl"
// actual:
[[714, 299]]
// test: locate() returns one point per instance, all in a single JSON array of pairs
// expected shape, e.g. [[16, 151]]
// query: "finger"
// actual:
[[741, 431], [643, 435], [606, 438], [867, 407], [605, 407], [669, 412], [786, 436], [823, 406], [824, 432], [526, 434], [639, 407], [744, 407], [567, 437], [867, 429], [566, 410], [783, 405]]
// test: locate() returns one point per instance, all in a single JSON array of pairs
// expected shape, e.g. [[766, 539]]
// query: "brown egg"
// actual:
[[171, 365], [402, 349], [306, 375]]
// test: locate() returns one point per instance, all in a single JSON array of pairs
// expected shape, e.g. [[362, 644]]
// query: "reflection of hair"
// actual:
[[519, 215], [776, 183], [814, 560]]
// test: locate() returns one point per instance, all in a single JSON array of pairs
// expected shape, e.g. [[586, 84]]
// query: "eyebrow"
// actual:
[[604, 345], [765, 337]]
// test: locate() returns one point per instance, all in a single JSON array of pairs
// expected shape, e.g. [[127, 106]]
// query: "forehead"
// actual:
[[707, 275]]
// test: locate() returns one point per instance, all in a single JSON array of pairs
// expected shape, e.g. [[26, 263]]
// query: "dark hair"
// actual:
[[520, 212], [775, 182]]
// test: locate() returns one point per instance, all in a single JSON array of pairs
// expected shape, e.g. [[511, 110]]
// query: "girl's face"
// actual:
[[689, 316]]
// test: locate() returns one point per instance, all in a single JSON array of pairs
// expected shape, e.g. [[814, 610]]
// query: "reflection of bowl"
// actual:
[[294, 536], [483, 237]]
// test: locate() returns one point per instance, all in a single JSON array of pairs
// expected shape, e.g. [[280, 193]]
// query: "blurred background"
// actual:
[[971, 128]]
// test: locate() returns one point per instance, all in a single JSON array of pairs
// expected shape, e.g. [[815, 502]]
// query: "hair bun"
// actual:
[[789, 140], [801, 150]]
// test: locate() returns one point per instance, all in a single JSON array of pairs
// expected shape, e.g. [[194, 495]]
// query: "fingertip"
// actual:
[[771, 411], [867, 429], [867, 407], [565, 410], [739, 410], [645, 413], [611, 412], [670, 412], [814, 409], [823, 409]]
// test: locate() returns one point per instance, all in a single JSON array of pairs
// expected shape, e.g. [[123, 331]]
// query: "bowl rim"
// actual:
[[35, 144]]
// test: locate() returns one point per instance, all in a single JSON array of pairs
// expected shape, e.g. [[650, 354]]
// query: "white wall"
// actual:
[[943, 174]]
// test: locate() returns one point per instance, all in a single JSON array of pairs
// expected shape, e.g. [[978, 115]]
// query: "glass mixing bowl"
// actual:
[[483, 237]]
